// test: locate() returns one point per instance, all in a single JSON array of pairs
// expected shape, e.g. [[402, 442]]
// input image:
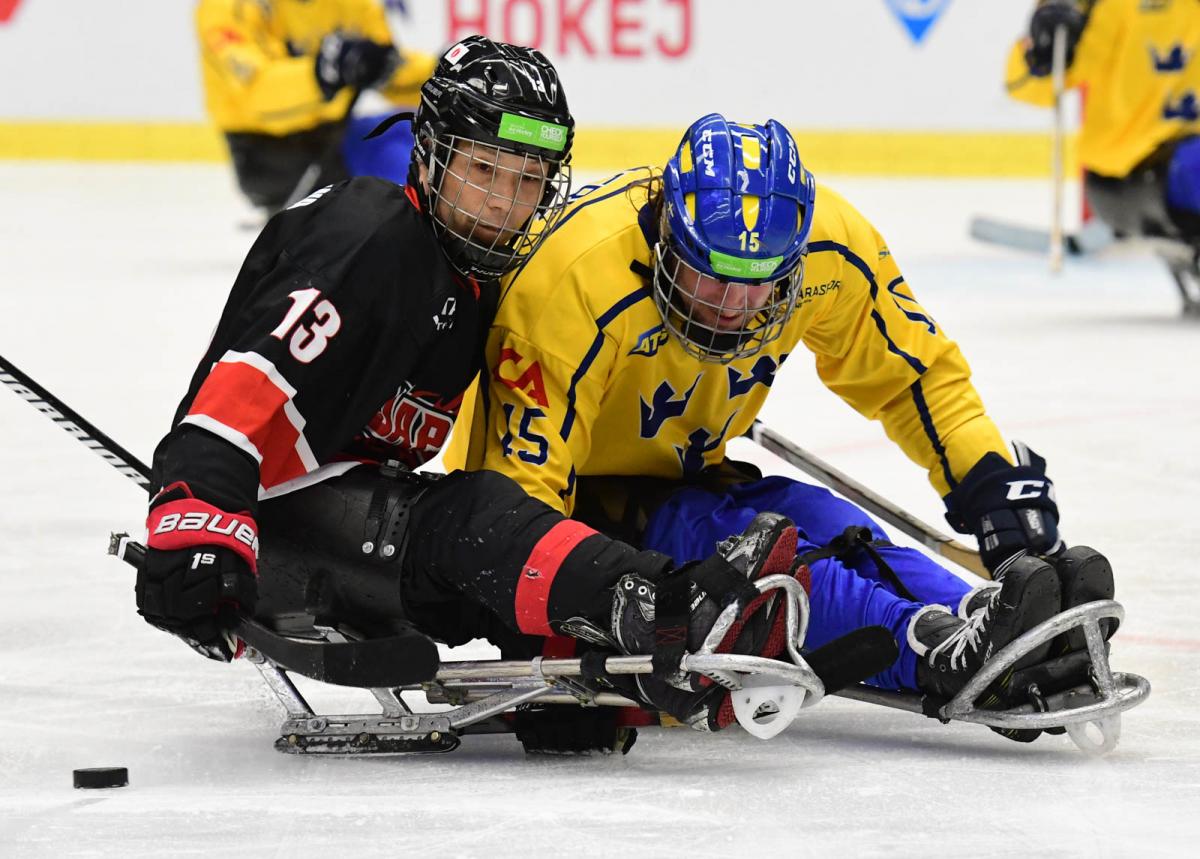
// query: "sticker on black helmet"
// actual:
[[457, 53], [533, 132]]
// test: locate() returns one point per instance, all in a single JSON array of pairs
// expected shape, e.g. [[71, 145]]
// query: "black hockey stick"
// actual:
[[397, 660], [393, 661], [73, 423], [851, 659]]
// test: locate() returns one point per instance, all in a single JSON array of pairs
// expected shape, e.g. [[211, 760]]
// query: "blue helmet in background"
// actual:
[[737, 209]]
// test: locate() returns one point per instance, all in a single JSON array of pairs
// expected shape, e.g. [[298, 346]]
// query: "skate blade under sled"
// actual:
[[1078, 692]]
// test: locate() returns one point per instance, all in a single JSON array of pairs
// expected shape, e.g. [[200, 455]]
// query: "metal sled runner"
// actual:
[[768, 693], [1088, 705]]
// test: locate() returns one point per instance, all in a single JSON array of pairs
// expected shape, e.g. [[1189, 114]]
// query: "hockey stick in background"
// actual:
[[1093, 237], [308, 179], [73, 423], [1058, 74], [373, 662], [929, 537]]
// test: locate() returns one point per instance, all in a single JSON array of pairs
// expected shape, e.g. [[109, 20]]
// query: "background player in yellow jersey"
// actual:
[[1140, 140], [648, 330], [280, 77]]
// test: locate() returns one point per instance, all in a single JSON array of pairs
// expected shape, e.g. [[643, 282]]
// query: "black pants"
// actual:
[[271, 171], [466, 556], [1136, 204]]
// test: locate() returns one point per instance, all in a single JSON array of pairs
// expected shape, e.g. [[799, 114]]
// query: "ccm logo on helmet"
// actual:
[[705, 155], [215, 523]]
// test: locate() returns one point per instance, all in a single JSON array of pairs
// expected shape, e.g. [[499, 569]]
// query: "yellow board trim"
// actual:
[[844, 153]]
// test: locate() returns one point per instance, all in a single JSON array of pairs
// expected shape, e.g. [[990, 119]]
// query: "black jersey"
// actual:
[[347, 338]]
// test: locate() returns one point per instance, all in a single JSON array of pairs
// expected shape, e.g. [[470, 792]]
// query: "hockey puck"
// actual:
[[101, 777]]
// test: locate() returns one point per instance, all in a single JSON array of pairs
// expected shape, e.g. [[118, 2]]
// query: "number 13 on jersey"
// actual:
[[308, 341]]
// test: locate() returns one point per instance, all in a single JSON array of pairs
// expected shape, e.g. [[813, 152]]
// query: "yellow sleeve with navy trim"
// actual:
[[257, 62], [1138, 63], [879, 350]]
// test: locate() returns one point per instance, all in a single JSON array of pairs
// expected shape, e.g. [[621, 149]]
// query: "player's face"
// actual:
[[718, 305], [488, 194]]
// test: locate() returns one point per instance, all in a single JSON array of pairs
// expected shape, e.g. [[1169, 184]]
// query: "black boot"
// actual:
[[952, 649], [1085, 576], [767, 547]]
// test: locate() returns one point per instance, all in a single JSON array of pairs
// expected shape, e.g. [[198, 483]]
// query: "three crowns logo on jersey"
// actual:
[[918, 16]]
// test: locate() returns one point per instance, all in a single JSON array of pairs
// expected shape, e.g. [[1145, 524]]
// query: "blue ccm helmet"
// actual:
[[737, 208]]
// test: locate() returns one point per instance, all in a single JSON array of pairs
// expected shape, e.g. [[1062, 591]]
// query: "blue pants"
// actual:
[[385, 156], [845, 596], [1183, 176]]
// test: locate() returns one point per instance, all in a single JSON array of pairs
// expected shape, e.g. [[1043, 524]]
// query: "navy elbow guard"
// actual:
[[1010, 509]]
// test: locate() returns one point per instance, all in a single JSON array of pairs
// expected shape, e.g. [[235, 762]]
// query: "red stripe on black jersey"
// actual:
[[250, 405]]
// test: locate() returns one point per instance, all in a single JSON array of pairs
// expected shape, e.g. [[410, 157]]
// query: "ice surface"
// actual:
[[112, 277]]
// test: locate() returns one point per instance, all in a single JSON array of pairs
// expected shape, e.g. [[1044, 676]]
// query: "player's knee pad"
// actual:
[[1183, 176]]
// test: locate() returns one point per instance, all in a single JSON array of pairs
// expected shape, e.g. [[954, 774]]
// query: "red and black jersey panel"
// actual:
[[346, 337]]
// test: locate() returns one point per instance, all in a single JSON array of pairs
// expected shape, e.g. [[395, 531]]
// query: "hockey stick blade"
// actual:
[[1094, 237], [397, 660], [853, 658]]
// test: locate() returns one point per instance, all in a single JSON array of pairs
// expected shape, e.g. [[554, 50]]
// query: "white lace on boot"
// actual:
[[959, 645]]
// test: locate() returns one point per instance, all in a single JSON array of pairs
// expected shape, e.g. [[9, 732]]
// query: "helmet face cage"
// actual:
[[491, 206], [695, 321], [493, 133], [736, 213]]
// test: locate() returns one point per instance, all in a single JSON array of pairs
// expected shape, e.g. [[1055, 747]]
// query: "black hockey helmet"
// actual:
[[487, 96], [483, 89]]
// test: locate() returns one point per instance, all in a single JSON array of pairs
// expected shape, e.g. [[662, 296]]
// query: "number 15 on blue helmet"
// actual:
[[737, 209]]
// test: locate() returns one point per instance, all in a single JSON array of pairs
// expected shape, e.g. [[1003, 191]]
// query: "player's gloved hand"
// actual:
[[1010, 509], [346, 61], [199, 573], [1047, 18]]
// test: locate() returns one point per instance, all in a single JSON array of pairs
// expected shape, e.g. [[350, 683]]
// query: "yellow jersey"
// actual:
[[1138, 61], [584, 380], [258, 58]]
